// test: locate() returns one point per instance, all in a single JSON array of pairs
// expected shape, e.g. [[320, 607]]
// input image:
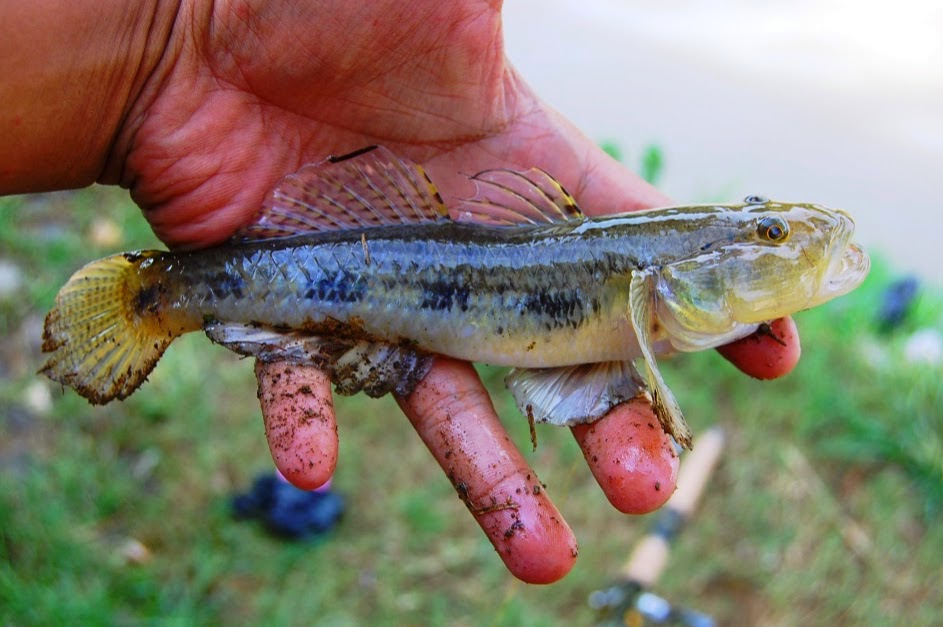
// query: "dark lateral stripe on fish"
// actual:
[[339, 287], [443, 295], [555, 308]]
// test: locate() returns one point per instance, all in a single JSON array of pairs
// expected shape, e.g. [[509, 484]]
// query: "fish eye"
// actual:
[[773, 229], [756, 200]]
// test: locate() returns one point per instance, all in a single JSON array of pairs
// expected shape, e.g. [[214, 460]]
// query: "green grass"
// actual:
[[825, 509], [651, 163]]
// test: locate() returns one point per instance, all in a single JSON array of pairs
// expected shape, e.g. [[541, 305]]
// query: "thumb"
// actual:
[[603, 185]]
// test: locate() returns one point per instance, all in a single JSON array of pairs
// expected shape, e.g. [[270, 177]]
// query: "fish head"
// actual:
[[792, 257], [776, 259]]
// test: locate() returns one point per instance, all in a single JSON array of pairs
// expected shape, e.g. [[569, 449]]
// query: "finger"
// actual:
[[766, 355], [630, 455], [299, 422], [453, 415]]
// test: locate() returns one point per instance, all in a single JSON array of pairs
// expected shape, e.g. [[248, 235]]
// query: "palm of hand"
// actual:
[[245, 96]]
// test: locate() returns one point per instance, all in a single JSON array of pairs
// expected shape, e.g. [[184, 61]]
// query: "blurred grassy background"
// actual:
[[825, 509]]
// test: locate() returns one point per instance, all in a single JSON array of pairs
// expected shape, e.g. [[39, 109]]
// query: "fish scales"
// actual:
[[356, 266], [457, 289]]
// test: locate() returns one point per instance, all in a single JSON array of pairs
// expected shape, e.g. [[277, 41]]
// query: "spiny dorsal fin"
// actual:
[[369, 187], [507, 197]]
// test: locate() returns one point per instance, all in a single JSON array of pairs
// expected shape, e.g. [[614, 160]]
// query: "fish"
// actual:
[[356, 265]]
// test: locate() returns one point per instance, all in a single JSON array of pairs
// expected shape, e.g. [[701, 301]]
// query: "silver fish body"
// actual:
[[522, 278]]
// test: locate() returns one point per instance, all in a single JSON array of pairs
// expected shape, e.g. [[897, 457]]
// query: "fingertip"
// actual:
[[299, 422], [632, 458], [453, 415], [766, 355], [527, 531]]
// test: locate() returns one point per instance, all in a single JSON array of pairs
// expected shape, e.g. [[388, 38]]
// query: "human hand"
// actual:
[[243, 93]]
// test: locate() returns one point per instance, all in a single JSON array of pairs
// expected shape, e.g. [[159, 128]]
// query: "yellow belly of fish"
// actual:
[[593, 342]]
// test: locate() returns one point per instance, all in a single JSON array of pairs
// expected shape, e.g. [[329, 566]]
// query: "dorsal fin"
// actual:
[[368, 187], [507, 197]]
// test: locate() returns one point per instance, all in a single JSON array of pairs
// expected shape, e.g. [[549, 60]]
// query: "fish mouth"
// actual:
[[847, 271], [849, 261]]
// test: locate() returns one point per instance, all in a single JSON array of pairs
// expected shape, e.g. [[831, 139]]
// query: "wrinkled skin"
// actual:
[[241, 93]]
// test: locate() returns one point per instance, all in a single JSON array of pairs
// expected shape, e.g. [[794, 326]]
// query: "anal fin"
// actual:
[[355, 365], [573, 395]]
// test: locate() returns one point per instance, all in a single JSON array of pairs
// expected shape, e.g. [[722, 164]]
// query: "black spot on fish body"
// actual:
[[558, 308], [147, 300], [550, 303], [223, 285], [338, 287], [444, 295]]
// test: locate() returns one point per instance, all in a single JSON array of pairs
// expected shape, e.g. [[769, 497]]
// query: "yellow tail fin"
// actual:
[[105, 331]]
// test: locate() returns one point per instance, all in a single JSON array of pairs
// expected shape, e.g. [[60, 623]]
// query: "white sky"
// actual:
[[832, 101]]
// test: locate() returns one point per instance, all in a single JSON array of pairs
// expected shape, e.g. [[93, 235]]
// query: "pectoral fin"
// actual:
[[355, 365], [573, 395], [641, 312]]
